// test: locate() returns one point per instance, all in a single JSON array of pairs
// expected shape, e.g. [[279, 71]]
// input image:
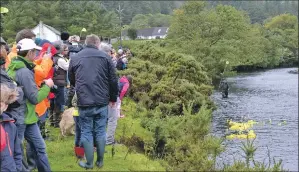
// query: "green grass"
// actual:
[[61, 150]]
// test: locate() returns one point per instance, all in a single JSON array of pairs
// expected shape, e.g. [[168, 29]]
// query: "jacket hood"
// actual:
[[124, 79], [18, 63], [5, 118]]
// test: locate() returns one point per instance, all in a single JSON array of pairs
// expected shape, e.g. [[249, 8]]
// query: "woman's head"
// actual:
[[61, 47], [7, 96]]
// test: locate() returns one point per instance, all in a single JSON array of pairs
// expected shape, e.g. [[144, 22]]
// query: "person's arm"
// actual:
[[63, 64], [18, 153], [26, 80], [71, 74], [42, 70], [124, 91], [113, 82]]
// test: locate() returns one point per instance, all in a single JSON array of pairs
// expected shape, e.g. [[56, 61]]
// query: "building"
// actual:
[[44, 31], [148, 33]]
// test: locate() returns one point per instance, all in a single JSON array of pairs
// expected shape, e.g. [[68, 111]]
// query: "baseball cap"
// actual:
[[120, 51], [27, 44]]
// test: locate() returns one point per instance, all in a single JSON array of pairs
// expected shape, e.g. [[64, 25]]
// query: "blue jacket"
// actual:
[[15, 110], [11, 156], [92, 73]]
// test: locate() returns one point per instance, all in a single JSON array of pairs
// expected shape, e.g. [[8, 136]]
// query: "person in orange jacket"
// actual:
[[43, 65]]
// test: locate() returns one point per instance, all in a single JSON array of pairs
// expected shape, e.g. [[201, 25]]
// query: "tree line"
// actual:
[[98, 17]]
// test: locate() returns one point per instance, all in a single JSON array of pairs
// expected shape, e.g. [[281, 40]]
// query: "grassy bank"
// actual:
[[61, 154]]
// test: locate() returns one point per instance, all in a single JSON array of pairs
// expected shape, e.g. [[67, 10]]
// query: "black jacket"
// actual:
[[59, 77], [92, 73]]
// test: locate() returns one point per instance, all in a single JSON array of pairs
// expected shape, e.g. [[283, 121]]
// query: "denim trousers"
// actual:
[[77, 131], [33, 137], [93, 123]]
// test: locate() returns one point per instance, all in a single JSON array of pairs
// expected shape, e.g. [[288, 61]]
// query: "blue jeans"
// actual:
[[59, 100], [44, 117], [93, 123], [34, 138], [31, 154], [77, 131]]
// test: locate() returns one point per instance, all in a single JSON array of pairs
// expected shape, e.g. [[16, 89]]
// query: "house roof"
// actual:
[[50, 27], [154, 31], [53, 29], [160, 31]]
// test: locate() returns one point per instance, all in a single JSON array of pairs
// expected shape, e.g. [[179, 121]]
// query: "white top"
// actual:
[[63, 63]]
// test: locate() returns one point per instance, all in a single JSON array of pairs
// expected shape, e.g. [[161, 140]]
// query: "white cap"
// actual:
[[120, 51], [28, 44]]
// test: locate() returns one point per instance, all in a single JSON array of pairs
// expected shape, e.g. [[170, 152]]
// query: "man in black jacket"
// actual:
[[92, 73]]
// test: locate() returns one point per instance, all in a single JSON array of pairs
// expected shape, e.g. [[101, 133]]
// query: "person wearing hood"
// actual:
[[42, 65], [20, 70], [10, 145], [4, 78]]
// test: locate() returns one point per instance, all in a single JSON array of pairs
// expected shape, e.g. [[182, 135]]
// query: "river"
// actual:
[[269, 97]]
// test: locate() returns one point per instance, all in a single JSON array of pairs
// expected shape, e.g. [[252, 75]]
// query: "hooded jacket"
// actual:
[[21, 71], [41, 71], [123, 87], [11, 155], [15, 110]]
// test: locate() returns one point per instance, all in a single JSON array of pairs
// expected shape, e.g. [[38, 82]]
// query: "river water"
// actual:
[[268, 98]]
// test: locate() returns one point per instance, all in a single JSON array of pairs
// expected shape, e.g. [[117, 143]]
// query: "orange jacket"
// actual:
[[41, 70], [12, 54]]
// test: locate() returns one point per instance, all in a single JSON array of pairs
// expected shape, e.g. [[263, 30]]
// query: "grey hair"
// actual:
[[92, 40], [105, 47], [59, 46]]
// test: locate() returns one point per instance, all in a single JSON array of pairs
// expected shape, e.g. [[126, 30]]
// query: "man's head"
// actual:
[[25, 33], [27, 48], [93, 40], [64, 36], [7, 96], [106, 48], [120, 52]]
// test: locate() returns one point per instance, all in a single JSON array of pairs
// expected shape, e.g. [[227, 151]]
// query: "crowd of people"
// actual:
[[41, 79]]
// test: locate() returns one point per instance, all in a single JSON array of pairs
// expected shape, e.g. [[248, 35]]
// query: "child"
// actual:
[[79, 150], [11, 154]]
